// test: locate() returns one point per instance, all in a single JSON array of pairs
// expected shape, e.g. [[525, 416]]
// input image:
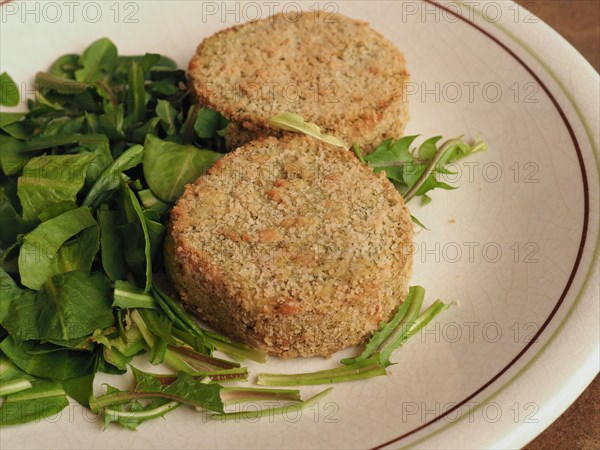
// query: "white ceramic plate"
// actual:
[[515, 246]]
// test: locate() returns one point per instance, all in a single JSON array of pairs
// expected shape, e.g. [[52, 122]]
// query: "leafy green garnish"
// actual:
[[44, 251], [47, 180], [9, 92], [414, 172], [359, 371], [375, 358], [78, 213], [50, 361], [97, 61], [109, 180], [168, 166], [289, 121], [271, 412], [43, 399], [89, 174], [67, 307]]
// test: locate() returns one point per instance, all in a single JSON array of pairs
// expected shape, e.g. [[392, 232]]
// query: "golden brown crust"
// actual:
[[291, 245], [334, 71]]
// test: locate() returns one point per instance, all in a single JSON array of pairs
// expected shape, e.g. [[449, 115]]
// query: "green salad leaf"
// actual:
[[289, 121], [415, 172], [12, 156], [9, 92], [99, 59], [111, 244], [44, 253], [47, 180], [68, 306], [110, 179], [47, 361], [168, 166], [375, 358], [43, 399], [134, 234]]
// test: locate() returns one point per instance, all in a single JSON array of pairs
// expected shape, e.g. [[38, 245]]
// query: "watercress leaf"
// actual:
[[160, 327], [8, 371], [428, 148], [7, 118], [158, 324], [19, 130], [50, 179], [75, 304], [288, 121], [136, 240], [9, 92], [97, 60], [156, 232], [150, 127], [44, 399], [12, 296], [417, 222], [207, 396], [208, 122], [113, 259], [392, 157], [164, 88], [68, 307], [56, 210], [80, 252], [46, 360], [168, 116], [432, 183], [145, 382], [38, 256], [100, 163], [11, 223], [111, 123], [65, 66], [151, 202], [185, 387], [46, 82], [119, 351], [163, 63], [110, 179], [136, 95], [168, 167], [80, 388], [12, 155], [126, 295]]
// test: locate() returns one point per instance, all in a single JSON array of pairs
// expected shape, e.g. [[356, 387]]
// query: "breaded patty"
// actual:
[[334, 71], [291, 245]]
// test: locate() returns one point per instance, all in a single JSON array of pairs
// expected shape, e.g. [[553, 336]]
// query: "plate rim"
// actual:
[[584, 285], [585, 233]]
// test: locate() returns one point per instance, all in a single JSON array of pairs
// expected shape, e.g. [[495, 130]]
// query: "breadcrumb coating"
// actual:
[[334, 71], [291, 245]]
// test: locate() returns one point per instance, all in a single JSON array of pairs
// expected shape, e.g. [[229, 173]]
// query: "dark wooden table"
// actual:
[[578, 21]]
